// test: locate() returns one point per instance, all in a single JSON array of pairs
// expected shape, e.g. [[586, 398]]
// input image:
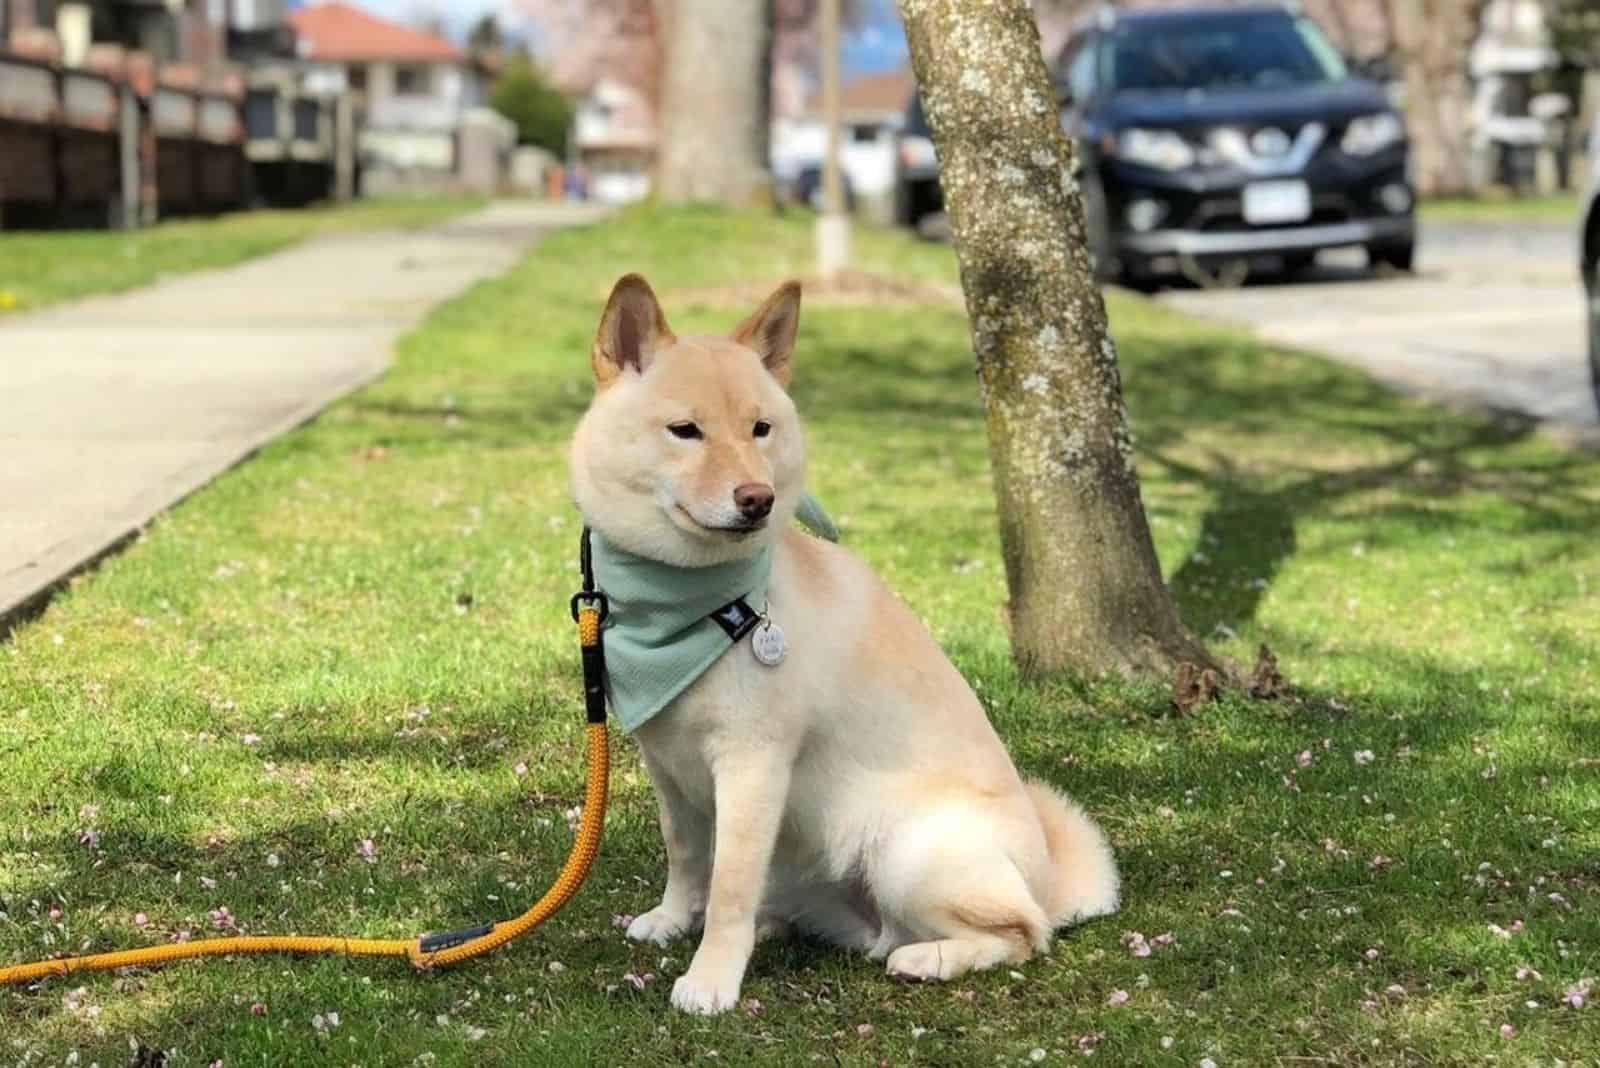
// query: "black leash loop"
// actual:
[[588, 594], [591, 600]]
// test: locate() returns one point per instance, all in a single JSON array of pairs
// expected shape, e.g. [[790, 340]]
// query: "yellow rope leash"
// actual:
[[426, 951]]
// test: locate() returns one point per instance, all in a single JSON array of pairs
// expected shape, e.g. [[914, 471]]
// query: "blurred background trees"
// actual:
[[542, 114]]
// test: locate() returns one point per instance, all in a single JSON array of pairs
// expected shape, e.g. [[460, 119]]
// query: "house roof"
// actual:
[[342, 33], [887, 93]]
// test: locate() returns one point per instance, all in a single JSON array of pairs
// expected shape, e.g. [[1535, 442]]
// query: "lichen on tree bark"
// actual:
[[1087, 596]]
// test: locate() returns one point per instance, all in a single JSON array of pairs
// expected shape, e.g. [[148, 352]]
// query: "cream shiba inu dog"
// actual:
[[843, 781]]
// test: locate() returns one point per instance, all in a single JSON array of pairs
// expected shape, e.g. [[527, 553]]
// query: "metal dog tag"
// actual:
[[768, 643]]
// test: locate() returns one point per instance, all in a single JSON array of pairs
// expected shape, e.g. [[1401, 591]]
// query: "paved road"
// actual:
[[117, 407], [1494, 317]]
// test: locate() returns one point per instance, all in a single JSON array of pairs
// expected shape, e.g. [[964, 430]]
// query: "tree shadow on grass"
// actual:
[[1405, 460]]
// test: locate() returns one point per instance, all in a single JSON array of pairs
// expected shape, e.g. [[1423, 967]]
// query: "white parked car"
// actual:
[[1589, 264]]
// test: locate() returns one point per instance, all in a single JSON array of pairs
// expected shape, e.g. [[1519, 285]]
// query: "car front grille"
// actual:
[[1225, 215]]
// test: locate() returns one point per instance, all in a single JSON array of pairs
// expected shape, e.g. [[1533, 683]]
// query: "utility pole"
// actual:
[[833, 228]]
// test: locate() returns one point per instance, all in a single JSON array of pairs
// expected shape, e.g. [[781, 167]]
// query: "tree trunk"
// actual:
[[1434, 39], [1338, 25], [714, 109], [1087, 596]]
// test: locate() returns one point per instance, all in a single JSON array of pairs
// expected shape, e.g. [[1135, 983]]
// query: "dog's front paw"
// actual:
[[693, 994], [659, 926]]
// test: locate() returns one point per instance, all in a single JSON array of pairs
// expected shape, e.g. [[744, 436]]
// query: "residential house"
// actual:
[[257, 29], [872, 107], [1520, 136], [170, 31], [422, 97], [614, 139]]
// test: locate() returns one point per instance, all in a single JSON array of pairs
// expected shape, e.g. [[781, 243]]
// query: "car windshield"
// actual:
[[1219, 53]]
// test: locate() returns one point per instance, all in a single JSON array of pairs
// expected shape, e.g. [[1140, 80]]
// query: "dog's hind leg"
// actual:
[[976, 927], [946, 958], [958, 903], [687, 835]]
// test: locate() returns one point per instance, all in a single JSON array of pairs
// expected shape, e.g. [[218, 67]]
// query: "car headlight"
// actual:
[[1162, 149], [1372, 133]]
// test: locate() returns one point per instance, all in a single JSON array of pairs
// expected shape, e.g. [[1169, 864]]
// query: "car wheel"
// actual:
[[1097, 228], [1298, 262], [1591, 277], [921, 201], [1139, 278], [1399, 257], [902, 203], [934, 226]]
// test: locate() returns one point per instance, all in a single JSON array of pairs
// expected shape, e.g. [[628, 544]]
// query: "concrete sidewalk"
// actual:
[[1494, 319], [114, 408]]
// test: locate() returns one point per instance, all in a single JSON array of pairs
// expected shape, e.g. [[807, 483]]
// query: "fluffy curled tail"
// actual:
[[1086, 881]]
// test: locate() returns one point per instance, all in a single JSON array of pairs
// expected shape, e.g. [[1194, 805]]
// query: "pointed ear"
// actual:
[[632, 330], [770, 331]]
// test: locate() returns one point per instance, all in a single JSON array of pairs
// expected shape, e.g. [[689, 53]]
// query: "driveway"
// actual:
[[1493, 318], [116, 407]]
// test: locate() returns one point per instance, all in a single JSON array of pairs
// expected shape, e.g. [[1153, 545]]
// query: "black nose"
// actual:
[[754, 500]]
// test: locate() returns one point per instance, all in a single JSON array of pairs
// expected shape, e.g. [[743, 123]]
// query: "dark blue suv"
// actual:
[[1213, 138], [1216, 135]]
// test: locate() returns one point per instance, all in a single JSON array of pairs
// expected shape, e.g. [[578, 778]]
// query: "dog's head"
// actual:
[[691, 452]]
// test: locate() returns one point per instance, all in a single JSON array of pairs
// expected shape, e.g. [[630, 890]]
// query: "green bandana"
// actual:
[[668, 624]]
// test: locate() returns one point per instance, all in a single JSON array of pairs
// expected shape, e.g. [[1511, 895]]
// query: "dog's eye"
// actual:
[[686, 431], [762, 428]]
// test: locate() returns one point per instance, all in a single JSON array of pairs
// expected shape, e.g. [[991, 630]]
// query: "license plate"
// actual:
[[1266, 203]]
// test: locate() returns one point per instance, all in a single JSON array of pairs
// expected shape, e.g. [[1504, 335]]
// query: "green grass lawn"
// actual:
[[361, 635], [46, 266], [1503, 208]]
